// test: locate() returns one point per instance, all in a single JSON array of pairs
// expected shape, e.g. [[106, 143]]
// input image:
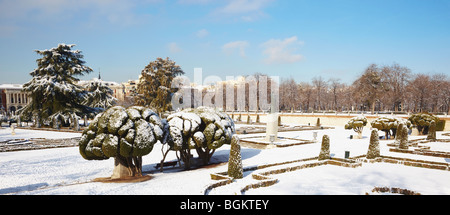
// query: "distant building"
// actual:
[[12, 98]]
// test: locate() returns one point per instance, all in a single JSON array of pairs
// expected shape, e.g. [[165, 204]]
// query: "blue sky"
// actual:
[[301, 39]]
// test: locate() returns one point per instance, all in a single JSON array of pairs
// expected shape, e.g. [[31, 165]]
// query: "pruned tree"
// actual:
[[357, 124], [124, 134], [423, 121], [374, 146], [389, 125], [235, 168], [402, 136], [325, 148], [432, 131], [203, 129]]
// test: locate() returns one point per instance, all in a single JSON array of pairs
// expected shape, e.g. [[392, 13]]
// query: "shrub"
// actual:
[[402, 136], [325, 149], [203, 129], [235, 169], [374, 146], [423, 121], [125, 134], [389, 124], [432, 131], [357, 124]]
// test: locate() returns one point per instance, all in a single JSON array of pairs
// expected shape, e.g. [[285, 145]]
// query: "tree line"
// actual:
[[377, 89]]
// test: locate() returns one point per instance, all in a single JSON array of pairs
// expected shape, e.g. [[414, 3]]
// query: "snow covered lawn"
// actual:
[[336, 180], [5, 134], [64, 171]]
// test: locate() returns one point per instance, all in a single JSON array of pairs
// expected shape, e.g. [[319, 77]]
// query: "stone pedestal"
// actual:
[[272, 126]]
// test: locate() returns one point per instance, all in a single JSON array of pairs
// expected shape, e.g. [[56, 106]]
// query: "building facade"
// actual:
[[12, 99]]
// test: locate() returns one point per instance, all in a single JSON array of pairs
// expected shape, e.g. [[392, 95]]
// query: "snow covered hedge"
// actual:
[[125, 134], [388, 124], [423, 121], [204, 129]]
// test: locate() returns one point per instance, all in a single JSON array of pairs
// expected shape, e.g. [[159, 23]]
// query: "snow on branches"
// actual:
[[53, 86]]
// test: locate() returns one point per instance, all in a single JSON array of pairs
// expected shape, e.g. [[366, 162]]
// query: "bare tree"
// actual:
[[289, 98], [369, 86], [336, 88], [418, 91], [305, 90], [438, 82], [320, 87], [395, 79]]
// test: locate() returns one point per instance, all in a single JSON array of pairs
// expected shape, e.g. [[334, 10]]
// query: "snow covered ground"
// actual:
[[64, 171], [5, 134]]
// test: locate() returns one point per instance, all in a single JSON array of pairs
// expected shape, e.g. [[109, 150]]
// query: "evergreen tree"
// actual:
[[403, 137], [374, 146], [99, 95], [325, 149], [154, 87], [52, 89], [432, 131], [235, 168]]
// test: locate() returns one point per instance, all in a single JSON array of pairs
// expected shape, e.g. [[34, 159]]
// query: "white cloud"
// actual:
[[282, 51], [236, 45], [202, 33], [174, 48]]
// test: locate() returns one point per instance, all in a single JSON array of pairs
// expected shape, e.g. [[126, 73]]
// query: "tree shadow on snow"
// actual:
[[29, 187], [219, 157]]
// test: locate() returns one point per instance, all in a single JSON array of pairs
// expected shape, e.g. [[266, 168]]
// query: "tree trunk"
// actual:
[[185, 155], [127, 167]]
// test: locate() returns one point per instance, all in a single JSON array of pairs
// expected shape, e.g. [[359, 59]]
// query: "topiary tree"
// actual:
[[374, 146], [325, 149], [402, 136], [235, 169], [432, 131], [125, 134], [423, 121], [357, 124], [203, 129], [389, 125]]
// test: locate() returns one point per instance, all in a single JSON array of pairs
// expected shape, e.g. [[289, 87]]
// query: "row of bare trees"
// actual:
[[378, 88]]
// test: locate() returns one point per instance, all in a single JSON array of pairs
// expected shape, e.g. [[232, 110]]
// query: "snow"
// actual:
[[335, 180], [5, 134], [64, 171]]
